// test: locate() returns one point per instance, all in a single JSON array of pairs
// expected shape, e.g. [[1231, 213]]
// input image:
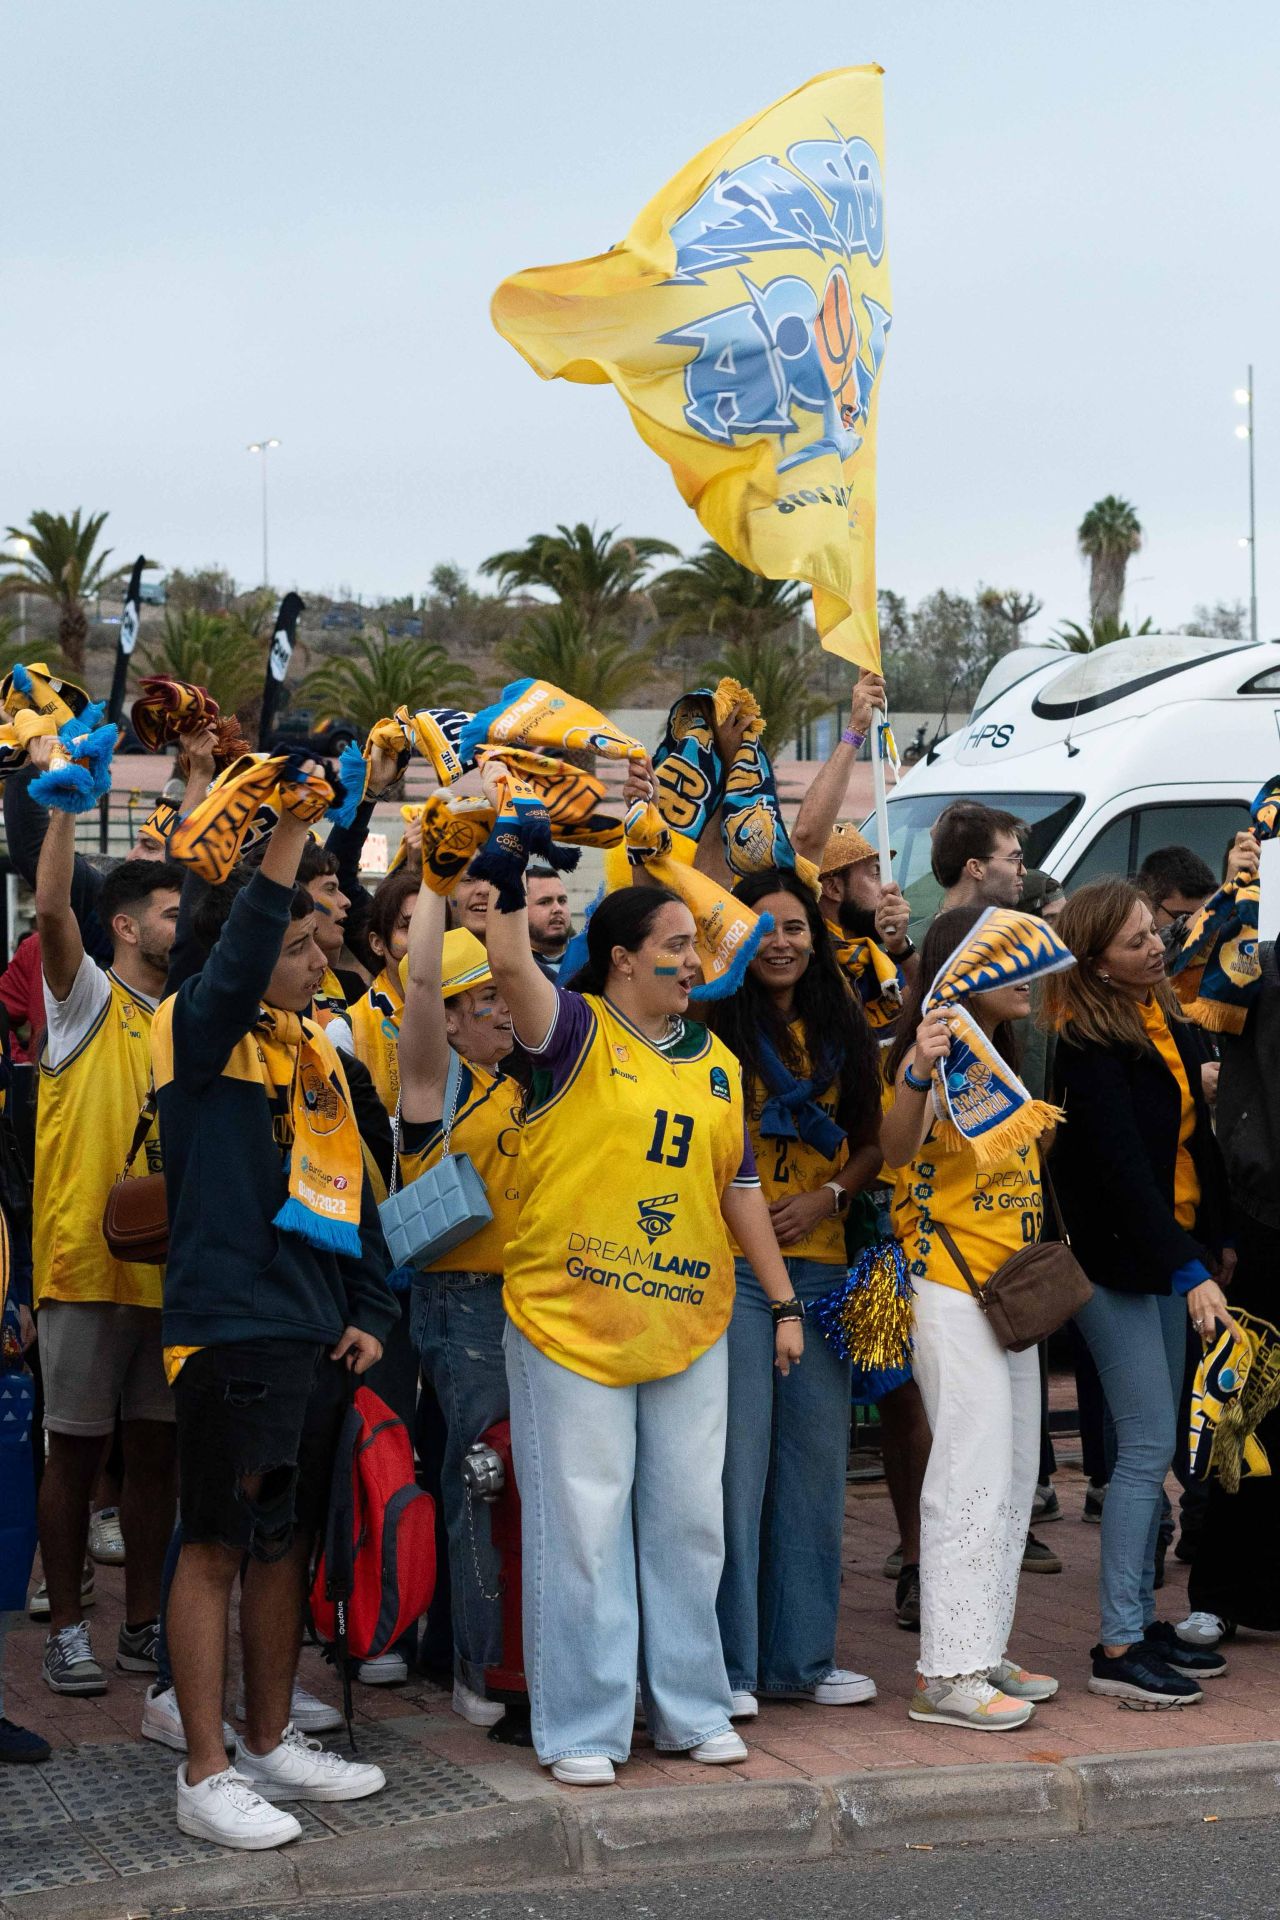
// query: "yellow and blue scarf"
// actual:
[[694, 782], [1237, 1385], [978, 1099], [535, 715], [1218, 968]]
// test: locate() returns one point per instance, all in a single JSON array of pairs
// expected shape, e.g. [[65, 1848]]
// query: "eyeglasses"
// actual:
[[1014, 860]]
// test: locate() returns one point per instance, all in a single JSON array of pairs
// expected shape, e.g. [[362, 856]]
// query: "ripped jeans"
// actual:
[[268, 1407]]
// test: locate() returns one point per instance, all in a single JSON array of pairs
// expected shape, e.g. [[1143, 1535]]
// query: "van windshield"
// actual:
[[1046, 816]]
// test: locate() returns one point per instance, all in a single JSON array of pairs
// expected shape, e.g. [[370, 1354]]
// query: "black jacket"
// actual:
[[1114, 1159], [1249, 1102]]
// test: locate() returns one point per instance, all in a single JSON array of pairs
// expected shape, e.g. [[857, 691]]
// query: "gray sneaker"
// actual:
[[136, 1650], [69, 1665]]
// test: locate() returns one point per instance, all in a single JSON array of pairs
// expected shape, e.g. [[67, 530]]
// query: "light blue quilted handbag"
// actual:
[[444, 1206]]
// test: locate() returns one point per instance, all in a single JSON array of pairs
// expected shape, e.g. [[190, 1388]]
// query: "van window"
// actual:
[[911, 816], [1206, 826], [1108, 674]]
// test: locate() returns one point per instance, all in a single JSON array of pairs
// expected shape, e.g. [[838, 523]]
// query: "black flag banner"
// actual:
[[130, 620], [278, 660]]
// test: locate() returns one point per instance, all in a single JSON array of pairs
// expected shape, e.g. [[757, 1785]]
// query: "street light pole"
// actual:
[[22, 547], [263, 447], [1244, 397]]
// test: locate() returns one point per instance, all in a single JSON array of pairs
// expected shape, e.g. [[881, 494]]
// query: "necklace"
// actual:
[[674, 1034]]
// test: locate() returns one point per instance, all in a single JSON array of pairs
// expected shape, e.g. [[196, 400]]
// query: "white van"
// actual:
[[1162, 740]]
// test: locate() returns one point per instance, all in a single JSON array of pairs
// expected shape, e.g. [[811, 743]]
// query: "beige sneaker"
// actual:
[[1014, 1680], [968, 1700]]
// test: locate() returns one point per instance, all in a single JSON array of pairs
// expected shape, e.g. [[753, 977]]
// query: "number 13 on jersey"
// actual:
[[672, 1133]]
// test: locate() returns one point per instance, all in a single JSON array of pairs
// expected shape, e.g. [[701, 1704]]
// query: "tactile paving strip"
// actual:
[[101, 1811]]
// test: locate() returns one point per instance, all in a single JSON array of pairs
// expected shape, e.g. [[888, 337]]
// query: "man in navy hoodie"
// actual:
[[263, 1324]]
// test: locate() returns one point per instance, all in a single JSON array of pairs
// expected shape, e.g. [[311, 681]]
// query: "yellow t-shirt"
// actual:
[[375, 1033], [487, 1128], [86, 1116], [621, 1268], [788, 1167], [1186, 1181], [989, 1213]]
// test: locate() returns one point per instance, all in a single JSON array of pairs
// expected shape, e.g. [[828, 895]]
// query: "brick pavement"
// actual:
[[1055, 1627]]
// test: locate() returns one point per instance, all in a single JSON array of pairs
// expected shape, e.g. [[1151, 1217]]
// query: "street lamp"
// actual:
[[264, 447], [20, 547], [1244, 398]]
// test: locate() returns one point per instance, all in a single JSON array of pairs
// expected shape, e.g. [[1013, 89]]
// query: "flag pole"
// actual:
[[879, 754]]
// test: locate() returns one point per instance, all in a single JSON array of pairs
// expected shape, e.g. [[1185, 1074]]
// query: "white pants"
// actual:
[[984, 1409]]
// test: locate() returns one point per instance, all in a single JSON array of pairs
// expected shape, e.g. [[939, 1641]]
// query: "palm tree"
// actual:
[[59, 564], [1071, 637], [385, 674], [221, 652], [595, 574], [598, 665], [714, 595], [1109, 533], [777, 672]]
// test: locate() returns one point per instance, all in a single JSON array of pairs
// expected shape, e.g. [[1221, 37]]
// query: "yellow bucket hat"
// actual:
[[464, 964]]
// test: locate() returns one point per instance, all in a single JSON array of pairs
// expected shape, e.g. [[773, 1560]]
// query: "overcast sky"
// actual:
[[233, 218]]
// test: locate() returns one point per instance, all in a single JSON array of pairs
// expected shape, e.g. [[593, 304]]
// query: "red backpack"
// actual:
[[377, 1569]]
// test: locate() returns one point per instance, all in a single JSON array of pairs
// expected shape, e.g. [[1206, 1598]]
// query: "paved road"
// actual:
[[1229, 1871]]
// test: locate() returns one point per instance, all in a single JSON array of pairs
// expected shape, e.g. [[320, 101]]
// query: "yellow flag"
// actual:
[[744, 320]]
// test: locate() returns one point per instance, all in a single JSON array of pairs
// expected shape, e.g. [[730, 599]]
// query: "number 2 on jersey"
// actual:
[[681, 1133]]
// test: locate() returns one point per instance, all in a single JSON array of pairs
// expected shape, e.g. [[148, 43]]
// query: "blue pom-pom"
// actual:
[[730, 982], [22, 680], [353, 772], [66, 789]]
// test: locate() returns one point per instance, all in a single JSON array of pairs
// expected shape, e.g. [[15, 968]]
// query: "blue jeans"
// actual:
[[784, 1468], [623, 1519], [457, 1322], [1138, 1343]]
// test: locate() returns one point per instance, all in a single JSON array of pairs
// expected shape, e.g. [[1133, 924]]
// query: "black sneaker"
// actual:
[[1094, 1496], [136, 1648], [906, 1598], [1202, 1663], [1140, 1677], [1045, 1507], [1037, 1558]]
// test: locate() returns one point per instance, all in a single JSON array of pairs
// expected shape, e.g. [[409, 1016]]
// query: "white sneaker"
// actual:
[[106, 1542], [474, 1708], [584, 1770], [722, 1750], [300, 1769], [225, 1808], [307, 1714], [839, 1688], [968, 1700], [1201, 1629], [161, 1720], [388, 1670], [744, 1706], [38, 1605]]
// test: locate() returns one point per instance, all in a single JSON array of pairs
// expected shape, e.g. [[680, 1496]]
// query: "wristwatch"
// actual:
[[841, 1193], [904, 953]]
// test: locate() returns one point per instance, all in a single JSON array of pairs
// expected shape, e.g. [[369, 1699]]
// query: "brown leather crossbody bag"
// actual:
[[1032, 1293], [135, 1220]]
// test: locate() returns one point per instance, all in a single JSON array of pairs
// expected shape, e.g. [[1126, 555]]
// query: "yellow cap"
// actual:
[[845, 848], [464, 964]]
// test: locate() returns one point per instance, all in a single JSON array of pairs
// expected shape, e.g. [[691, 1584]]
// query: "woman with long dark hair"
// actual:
[[983, 1402], [810, 1082], [634, 1171], [1143, 1193]]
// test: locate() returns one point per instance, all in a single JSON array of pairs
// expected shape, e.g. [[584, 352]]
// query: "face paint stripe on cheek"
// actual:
[[668, 973]]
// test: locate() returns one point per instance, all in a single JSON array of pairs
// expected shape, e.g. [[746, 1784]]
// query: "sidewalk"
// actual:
[[93, 1831]]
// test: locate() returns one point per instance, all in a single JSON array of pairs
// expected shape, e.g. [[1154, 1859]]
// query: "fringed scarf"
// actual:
[[538, 716], [572, 797], [521, 833], [874, 976], [36, 703], [1237, 1385], [168, 711], [791, 1111], [375, 1032], [726, 934], [453, 832], [325, 1164], [978, 1099], [1218, 969], [694, 782], [241, 808], [433, 732]]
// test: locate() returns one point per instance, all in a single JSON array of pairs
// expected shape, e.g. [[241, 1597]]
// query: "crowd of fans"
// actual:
[[679, 1426]]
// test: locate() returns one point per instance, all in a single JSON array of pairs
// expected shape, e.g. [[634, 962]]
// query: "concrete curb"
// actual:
[[601, 1835]]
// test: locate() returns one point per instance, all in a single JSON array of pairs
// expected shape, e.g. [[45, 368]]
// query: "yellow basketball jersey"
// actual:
[[86, 1115], [989, 1213], [621, 1267], [486, 1127], [788, 1167], [375, 1033]]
